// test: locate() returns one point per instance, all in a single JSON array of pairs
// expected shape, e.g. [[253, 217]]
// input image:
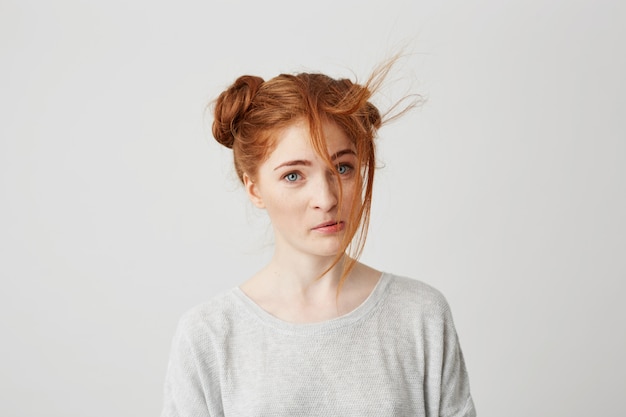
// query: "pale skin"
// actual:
[[301, 197]]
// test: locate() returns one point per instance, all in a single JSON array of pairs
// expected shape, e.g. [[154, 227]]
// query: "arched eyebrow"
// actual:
[[342, 153], [296, 162], [304, 162]]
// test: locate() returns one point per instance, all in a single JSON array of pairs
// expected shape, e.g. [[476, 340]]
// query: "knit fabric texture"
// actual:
[[397, 354]]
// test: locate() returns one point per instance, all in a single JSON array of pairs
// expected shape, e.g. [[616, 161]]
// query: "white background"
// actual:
[[506, 190]]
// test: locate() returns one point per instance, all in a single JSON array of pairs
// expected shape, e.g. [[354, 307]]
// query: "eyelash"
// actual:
[[348, 168], [286, 176]]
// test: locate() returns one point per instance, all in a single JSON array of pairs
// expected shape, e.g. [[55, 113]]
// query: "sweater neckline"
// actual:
[[362, 310]]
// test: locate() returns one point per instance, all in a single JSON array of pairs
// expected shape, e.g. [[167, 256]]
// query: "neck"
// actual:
[[297, 290], [303, 275], [296, 293]]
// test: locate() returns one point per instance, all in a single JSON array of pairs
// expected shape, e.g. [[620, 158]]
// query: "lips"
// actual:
[[329, 227]]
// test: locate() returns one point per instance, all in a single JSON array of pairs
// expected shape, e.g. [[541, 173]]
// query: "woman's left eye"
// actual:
[[343, 168], [292, 176]]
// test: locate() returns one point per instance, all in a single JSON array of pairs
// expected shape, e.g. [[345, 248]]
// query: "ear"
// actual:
[[253, 191]]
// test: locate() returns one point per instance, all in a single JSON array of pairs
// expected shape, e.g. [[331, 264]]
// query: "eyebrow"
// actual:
[[304, 162]]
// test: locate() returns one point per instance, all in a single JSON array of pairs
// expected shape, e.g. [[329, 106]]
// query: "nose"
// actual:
[[325, 193]]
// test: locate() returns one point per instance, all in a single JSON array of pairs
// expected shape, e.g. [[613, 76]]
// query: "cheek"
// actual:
[[349, 191], [282, 209]]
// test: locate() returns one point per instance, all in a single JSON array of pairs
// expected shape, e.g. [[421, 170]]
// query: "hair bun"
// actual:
[[373, 115], [231, 106]]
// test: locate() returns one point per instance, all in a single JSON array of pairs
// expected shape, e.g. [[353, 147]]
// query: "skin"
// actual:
[[301, 197]]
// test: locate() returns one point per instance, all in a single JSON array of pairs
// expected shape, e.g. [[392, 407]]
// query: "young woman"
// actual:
[[314, 332]]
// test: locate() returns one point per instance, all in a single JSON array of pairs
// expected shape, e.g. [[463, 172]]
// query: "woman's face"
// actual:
[[300, 193]]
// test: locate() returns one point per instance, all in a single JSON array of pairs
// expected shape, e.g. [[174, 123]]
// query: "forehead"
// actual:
[[294, 142]]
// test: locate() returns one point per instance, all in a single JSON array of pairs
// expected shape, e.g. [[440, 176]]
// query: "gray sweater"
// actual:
[[397, 354]]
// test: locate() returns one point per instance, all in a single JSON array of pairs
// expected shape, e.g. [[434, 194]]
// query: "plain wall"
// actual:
[[505, 190]]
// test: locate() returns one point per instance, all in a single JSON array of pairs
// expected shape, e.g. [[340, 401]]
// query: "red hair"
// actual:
[[249, 113]]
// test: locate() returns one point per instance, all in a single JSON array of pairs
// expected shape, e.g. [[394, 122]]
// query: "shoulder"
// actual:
[[416, 292], [416, 297], [210, 317]]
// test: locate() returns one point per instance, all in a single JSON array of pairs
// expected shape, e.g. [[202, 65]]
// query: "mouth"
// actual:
[[329, 227]]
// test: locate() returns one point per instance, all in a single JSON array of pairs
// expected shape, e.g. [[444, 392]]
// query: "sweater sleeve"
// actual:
[[187, 390], [456, 400]]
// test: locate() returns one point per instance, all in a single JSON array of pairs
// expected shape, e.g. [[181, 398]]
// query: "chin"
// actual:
[[328, 247], [327, 252]]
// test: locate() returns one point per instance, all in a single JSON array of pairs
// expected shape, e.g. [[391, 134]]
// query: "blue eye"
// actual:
[[292, 176], [343, 169]]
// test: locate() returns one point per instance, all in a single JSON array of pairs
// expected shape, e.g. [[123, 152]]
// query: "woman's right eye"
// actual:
[[292, 176]]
